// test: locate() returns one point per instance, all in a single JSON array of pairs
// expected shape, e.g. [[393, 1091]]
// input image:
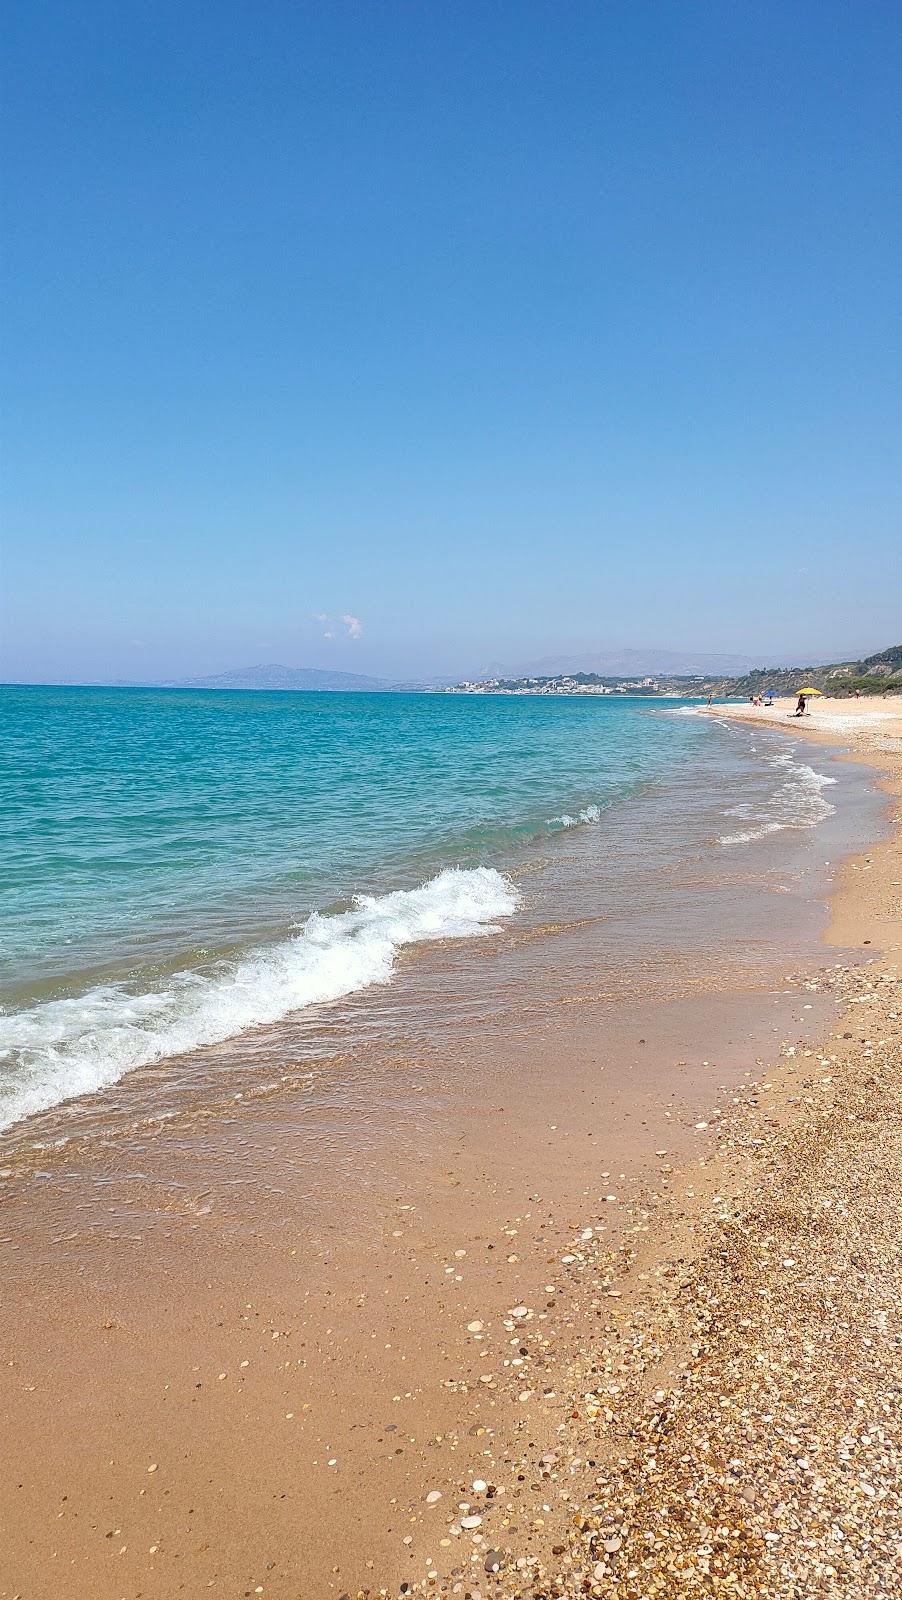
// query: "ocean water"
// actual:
[[180, 868]]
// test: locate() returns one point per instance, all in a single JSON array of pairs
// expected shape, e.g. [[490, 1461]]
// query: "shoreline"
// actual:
[[586, 1314], [872, 738]]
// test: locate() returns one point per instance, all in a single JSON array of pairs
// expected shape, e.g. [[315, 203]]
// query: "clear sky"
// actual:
[[460, 332]]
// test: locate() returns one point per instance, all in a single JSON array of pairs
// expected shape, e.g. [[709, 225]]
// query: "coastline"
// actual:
[[770, 1463], [597, 1300]]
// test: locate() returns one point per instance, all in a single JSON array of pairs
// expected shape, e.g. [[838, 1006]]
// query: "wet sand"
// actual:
[[220, 1376]]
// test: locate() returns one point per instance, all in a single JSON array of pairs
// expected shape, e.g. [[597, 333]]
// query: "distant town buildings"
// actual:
[[580, 683], [880, 673]]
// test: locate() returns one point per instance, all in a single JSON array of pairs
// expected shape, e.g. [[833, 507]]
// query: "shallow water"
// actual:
[[200, 887]]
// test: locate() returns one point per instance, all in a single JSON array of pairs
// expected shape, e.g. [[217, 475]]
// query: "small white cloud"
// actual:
[[352, 625]]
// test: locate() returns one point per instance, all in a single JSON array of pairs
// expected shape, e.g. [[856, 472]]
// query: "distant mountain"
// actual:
[[276, 677], [630, 664], [880, 673]]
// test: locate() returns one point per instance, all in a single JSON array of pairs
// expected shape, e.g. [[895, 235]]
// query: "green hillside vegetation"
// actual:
[[877, 674]]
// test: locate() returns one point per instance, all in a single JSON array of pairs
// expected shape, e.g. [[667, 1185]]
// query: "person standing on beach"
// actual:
[[800, 708]]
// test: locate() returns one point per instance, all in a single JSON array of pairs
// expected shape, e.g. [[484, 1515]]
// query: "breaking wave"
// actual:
[[797, 802], [62, 1048], [566, 820]]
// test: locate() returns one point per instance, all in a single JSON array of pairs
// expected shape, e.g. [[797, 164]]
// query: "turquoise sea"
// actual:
[[180, 867]]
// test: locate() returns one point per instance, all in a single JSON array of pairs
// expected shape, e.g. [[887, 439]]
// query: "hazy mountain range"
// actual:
[[276, 677], [629, 664], [607, 663], [612, 664]]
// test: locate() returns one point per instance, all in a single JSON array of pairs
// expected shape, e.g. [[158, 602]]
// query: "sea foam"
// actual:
[[67, 1047], [567, 820], [796, 802]]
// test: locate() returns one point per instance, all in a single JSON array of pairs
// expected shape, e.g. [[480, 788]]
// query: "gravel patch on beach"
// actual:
[[729, 1416]]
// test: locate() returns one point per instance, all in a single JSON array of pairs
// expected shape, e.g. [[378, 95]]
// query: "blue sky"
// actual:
[[498, 328]]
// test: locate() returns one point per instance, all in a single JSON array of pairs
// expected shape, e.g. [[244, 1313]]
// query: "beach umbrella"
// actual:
[[809, 691]]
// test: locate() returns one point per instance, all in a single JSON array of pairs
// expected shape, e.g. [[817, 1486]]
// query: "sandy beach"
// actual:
[[591, 1331], [863, 721], [450, 1033]]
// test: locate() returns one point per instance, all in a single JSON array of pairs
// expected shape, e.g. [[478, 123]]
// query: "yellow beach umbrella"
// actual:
[[809, 691]]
